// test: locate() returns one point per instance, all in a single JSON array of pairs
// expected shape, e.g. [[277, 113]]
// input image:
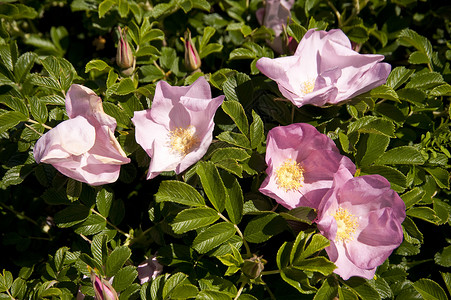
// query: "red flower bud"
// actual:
[[124, 55], [192, 59]]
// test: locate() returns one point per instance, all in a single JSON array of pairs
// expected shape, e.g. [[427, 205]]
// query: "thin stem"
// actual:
[[19, 214], [248, 250], [85, 238], [43, 125], [111, 224], [243, 284], [270, 272], [40, 134], [269, 292], [336, 12]]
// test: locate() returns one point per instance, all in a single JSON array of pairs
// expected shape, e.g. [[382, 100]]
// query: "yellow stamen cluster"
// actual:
[[183, 140], [290, 175], [307, 86], [347, 224]]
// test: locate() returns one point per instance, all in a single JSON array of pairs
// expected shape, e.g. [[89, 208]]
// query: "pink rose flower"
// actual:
[[84, 147], [362, 218], [301, 165], [275, 15], [149, 269], [325, 69], [178, 129]]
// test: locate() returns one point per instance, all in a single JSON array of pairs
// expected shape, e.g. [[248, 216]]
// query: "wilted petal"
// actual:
[[84, 147], [71, 137]]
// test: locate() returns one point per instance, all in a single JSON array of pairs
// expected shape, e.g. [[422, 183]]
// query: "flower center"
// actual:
[[182, 140], [307, 86], [347, 224], [290, 175]]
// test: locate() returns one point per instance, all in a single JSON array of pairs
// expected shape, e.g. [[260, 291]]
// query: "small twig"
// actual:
[[248, 250], [111, 224], [43, 125], [243, 284]]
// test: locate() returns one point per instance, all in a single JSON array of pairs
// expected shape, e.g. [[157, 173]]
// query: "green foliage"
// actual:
[[205, 223]]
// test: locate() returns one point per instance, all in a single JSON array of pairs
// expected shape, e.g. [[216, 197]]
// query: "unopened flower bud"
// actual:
[[102, 288], [253, 267], [149, 269], [124, 55], [192, 59]]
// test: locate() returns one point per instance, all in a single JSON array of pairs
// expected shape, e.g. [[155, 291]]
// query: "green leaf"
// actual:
[[300, 214], [397, 179], [234, 153], [441, 90], [398, 76], [298, 279], [425, 80], [412, 95], [71, 215], [38, 110], [375, 145], [179, 192], [236, 112], [113, 110], [409, 37], [418, 57], [10, 119], [73, 189], [99, 248], [362, 288], [23, 66], [447, 279], [105, 6], [316, 264], [104, 199], [242, 53], [400, 156], [257, 133], [184, 291], [379, 126], [92, 225], [124, 278], [328, 290], [424, 213], [212, 183], [213, 236], [213, 295], [235, 199], [194, 218], [430, 290], [412, 197], [6, 281], [124, 87], [19, 288], [172, 283], [236, 139], [97, 64], [384, 92], [441, 176], [123, 8], [15, 103], [262, 227], [443, 258], [59, 70], [116, 260]]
